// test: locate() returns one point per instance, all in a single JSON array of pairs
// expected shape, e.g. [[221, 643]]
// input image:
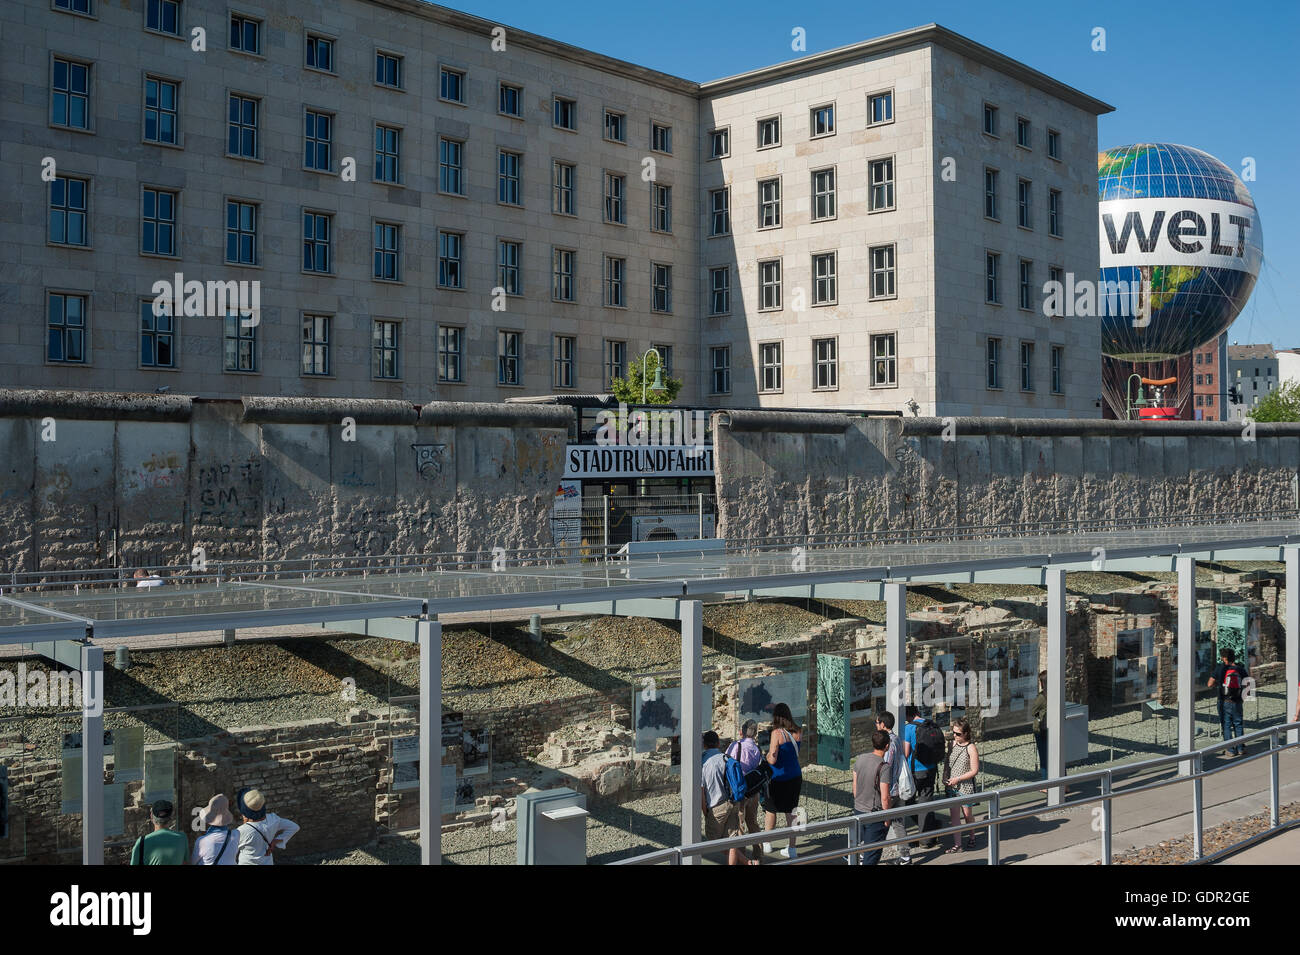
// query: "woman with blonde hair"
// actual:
[[959, 776]]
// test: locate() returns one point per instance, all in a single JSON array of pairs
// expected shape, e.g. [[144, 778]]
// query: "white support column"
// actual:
[[1292, 635], [694, 721], [429, 637], [92, 755], [1055, 679], [896, 651], [1186, 659]]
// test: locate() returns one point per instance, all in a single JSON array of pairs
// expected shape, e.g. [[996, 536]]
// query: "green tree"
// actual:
[[1280, 405], [628, 390]]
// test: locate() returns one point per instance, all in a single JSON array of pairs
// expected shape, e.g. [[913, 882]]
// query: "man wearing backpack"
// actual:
[[721, 819], [923, 747], [1230, 676], [748, 758]]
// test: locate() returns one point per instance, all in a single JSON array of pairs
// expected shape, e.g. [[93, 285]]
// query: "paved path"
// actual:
[[1280, 850]]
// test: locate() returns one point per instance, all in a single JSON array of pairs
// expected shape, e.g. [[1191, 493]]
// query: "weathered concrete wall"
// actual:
[[794, 474], [85, 478]]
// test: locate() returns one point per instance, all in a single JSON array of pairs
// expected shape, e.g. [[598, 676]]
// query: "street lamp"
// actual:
[[659, 373]]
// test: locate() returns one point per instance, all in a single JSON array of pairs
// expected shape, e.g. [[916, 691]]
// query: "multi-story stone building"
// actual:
[[437, 207], [1210, 385], [1253, 369]]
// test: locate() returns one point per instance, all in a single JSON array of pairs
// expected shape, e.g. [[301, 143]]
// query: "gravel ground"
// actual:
[[1179, 851]]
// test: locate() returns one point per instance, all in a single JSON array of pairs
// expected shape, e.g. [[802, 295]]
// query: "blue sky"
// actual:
[[1220, 76]]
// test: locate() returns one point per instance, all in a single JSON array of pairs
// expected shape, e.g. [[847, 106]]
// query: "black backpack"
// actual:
[[930, 745]]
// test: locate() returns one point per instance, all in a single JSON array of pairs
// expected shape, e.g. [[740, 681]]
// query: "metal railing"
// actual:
[[852, 824]]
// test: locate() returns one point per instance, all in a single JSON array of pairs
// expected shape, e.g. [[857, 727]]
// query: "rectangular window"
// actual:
[[562, 361], [1054, 212], [822, 120], [990, 193], [1058, 370], [315, 344], [1209, 379], [884, 360], [242, 127], [508, 355], [661, 284], [883, 272], [661, 138], [386, 349], [316, 242], [769, 285], [615, 273], [73, 6], [990, 120], [992, 286], [1053, 144], [509, 188], [388, 240], [720, 366], [823, 188], [881, 172], [318, 134], [769, 204], [720, 143], [245, 34], [566, 113], [161, 111], [66, 329], [157, 338], [1023, 133], [449, 254], [69, 215], [509, 255], [615, 198], [451, 85], [241, 232], [510, 101], [615, 361], [770, 369], [720, 211], [157, 222], [239, 352], [719, 291], [562, 267], [882, 108], [769, 132], [615, 126], [993, 355], [826, 374], [70, 94], [661, 208], [1055, 274], [1026, 284], [1024, 199], [1200, 401], [1026, 366], [388, 155], [449, 166], [388, 70], [451, 349], [320, 53], [563, 202], [1200, 379], [824, 279]]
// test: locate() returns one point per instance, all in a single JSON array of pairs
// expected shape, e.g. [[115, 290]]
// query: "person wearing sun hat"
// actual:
[[218, 844], [263, 832]]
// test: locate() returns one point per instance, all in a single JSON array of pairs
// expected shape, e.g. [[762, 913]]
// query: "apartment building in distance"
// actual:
[[1209, 384], [1253, 369], [433, 206]]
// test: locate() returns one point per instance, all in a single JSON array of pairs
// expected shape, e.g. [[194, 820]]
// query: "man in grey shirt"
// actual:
[[871, 779]]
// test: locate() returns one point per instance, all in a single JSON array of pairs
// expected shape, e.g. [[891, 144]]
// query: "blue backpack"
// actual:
[[744, 784]]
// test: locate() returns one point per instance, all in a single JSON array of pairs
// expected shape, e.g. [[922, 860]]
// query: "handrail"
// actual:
[[678, 854]]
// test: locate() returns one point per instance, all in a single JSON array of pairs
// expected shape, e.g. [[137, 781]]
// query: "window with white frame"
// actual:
[[1058, 369], [69, 211], [451, 353], [1026, 366], [316, 241], [245, 34], [615, 282], [1026, 284], [661, 285], [388, 152], [241, 232], [720, 143], [239, 341], [720, 290], [451, 85], [990, 119], [157, 221], [720, 211], [509, 184], [157, 338], [317, 140], [990, 193], [565, 113], [509, 256], [880, 173], [563, 263], [720, 370], [769, 285], [883, 272], [824, 279], [242, 127], [880, 108], [821, 120], [388, 242], [449, 260], [770, 367], [823, 189], [992, 283], [661, 138], [769, 203], [826, 373], [450, 153], [1023, 133], [884, 360], [615, 126], [563, 349], [993, 360], [615, 198], [73, 6], [509, 350], [315, 345], [1053, 144], [65, 333], [563, 199], [1054, 212], [385, 345], [510, 100], [388, 70], [661, 207], [320, 53], [1024, 204], [769, 132], [161, 111], [615, 361], [163, 16]]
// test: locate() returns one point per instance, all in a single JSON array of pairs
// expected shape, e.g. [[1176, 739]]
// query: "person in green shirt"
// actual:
[[163, 846]]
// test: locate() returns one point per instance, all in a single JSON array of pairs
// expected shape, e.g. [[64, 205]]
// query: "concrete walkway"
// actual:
[[1280, 850]]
